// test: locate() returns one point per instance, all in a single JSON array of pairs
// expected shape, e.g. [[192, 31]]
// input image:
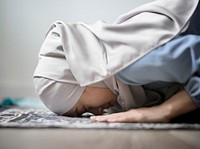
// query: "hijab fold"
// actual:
[[84, 54], [108, 48]]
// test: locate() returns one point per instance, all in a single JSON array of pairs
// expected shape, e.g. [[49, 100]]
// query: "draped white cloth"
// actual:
[[97, 51], [80, 54]]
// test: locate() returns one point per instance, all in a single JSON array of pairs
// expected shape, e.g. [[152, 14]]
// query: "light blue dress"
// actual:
[[178, 61], [175, 62]]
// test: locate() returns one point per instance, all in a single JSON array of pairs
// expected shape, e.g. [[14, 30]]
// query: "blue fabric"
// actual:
[[178, 61], [22, 102], [194, 27]]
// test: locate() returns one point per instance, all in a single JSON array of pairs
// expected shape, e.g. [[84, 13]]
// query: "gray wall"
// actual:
[[23, 24]]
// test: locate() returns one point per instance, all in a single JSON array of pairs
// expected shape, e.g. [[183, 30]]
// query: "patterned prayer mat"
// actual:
[[42, 118]]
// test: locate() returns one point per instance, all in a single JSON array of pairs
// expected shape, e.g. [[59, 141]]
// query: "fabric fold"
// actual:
[[77, 55], [97, 51]]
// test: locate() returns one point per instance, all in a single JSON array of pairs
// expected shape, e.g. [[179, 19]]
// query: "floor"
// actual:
[[11, 138]]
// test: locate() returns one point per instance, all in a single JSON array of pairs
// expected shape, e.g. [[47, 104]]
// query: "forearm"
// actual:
[[178, 104]]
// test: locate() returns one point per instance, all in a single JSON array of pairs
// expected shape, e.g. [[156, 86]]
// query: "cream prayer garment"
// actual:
[[77, 55]]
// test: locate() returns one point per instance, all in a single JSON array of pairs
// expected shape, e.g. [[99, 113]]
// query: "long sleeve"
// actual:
[[175, 62]]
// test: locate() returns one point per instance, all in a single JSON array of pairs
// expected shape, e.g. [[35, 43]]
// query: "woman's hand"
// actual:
[[151, 114], [178, 104]]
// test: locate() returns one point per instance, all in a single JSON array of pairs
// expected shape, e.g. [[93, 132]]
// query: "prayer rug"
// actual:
[[43, 118]]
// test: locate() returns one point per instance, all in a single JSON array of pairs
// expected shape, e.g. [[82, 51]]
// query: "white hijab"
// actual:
[[60, 97], [79, 54]]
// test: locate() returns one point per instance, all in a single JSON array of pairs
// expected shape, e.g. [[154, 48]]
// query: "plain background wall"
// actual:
[[23, 24]]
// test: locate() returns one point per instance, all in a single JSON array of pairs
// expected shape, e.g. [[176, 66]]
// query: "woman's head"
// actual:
[[93, 100], [57, 96], [71, 99]]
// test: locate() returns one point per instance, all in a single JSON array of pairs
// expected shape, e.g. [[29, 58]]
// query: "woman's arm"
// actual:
[[178, 104]]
